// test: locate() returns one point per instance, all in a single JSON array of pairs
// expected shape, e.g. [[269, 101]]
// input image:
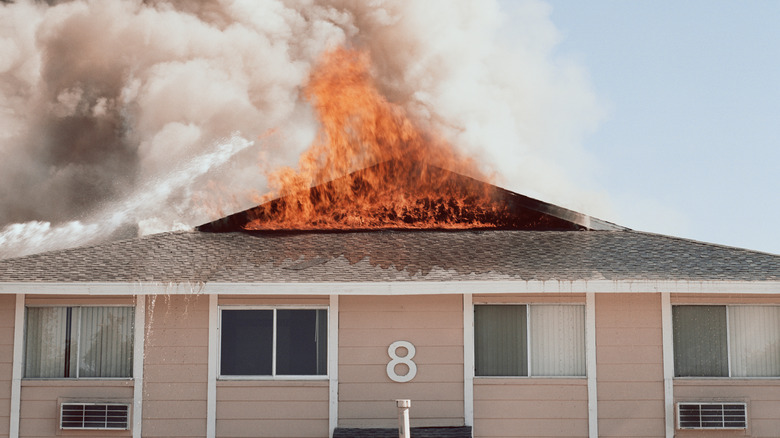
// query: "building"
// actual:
[[566, 326]]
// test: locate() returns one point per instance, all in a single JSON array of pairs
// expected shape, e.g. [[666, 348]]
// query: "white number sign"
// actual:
[[392, 351]]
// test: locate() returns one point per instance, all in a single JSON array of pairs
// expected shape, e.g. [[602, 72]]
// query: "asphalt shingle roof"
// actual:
[[381, 256]]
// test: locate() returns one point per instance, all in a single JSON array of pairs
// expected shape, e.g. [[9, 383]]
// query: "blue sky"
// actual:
[[691, 142]]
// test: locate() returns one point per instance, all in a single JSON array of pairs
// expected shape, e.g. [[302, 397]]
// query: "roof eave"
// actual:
[[766, 287]]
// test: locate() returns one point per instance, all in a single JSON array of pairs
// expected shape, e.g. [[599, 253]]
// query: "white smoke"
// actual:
[[112, 111]]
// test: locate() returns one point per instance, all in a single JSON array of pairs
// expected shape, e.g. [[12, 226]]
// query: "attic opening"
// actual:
[[397, 196]]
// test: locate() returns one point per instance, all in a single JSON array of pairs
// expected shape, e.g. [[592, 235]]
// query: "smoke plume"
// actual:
[[125, 117]]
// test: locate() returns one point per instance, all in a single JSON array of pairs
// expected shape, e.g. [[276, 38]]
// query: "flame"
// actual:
[[370, 166]]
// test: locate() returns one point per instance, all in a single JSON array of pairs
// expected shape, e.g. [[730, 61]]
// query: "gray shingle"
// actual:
[[371, 256]]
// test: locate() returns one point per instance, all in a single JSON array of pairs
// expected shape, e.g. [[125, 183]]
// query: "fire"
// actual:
[[370, 166]]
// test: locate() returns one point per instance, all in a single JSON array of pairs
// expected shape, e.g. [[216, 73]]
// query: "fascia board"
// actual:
[[393, 288]]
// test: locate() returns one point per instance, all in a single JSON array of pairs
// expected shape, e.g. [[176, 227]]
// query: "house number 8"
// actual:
[[392, 351]]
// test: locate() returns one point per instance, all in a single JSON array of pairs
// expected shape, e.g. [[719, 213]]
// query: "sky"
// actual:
[[122, 118], [690, 145]]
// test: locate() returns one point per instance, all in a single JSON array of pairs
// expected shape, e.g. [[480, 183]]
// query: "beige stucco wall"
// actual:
[[761, 395], [272, 408], [7, 307], [629, 361], [175, 366], [40, 398], [530, 407], [39, 413], [286, 408], [367, 327]]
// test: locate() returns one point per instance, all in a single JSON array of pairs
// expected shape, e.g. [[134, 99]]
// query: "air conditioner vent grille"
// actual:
[[711, 416], [100, 416]]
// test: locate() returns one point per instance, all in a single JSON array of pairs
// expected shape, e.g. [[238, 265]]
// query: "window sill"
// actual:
[[540, 380], [245, 378], [119, 381], [727, 381], [273, 382]]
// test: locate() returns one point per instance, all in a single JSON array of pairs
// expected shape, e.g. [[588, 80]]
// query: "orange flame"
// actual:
[[370, 166]]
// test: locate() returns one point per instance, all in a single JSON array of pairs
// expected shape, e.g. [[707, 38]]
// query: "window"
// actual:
[[726, 341], [529, 340], [74, 342], [274, 342]]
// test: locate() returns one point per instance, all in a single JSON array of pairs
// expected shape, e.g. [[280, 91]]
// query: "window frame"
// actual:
[[273, 375], [77, 330], [729, 365], [528, 334]]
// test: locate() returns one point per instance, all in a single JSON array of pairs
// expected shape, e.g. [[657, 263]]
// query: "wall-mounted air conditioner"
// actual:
[[711, 415], [95, 416]]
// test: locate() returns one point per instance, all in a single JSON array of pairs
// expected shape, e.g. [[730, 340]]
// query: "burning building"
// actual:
[[499, 315], [384, 268]]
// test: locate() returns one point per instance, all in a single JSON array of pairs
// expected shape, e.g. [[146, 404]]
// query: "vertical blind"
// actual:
[[755, 341], [69, 342], [557, 340], [700, 341], [106, 342], [44, 354], [500, 341], [723, 341], [551, 338]]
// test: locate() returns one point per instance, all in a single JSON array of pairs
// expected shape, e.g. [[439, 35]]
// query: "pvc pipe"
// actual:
[[403, 418]]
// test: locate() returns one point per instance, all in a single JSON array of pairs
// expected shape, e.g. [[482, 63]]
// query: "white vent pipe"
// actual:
[[403, 418]]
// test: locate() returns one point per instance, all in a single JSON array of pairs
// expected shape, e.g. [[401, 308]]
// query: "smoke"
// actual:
[[117, 117]]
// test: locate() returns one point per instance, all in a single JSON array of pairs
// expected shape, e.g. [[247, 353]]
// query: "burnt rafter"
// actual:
[[393, 196]]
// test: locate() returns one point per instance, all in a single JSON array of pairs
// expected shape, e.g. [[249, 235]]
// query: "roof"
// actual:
[[394, 256], [465, 203]]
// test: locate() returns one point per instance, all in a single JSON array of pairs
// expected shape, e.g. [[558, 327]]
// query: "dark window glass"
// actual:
[[700, 341], [247, 342], [301, 342], [500, 341]]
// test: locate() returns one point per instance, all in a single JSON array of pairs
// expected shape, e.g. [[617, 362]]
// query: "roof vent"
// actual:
[[94, 416], [694, 415]]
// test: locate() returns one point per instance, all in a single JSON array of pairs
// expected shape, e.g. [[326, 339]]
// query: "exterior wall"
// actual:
[[39, 413], [40, 398], [762, 395], [175, 366], [629, 358], [629, 374], [272, 408], [367, 327], [532, 407], [7, 316]]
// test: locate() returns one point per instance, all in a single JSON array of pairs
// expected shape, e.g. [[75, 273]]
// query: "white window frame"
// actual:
[[728, 344], [78, 344], [528, 340], [273, 375]]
